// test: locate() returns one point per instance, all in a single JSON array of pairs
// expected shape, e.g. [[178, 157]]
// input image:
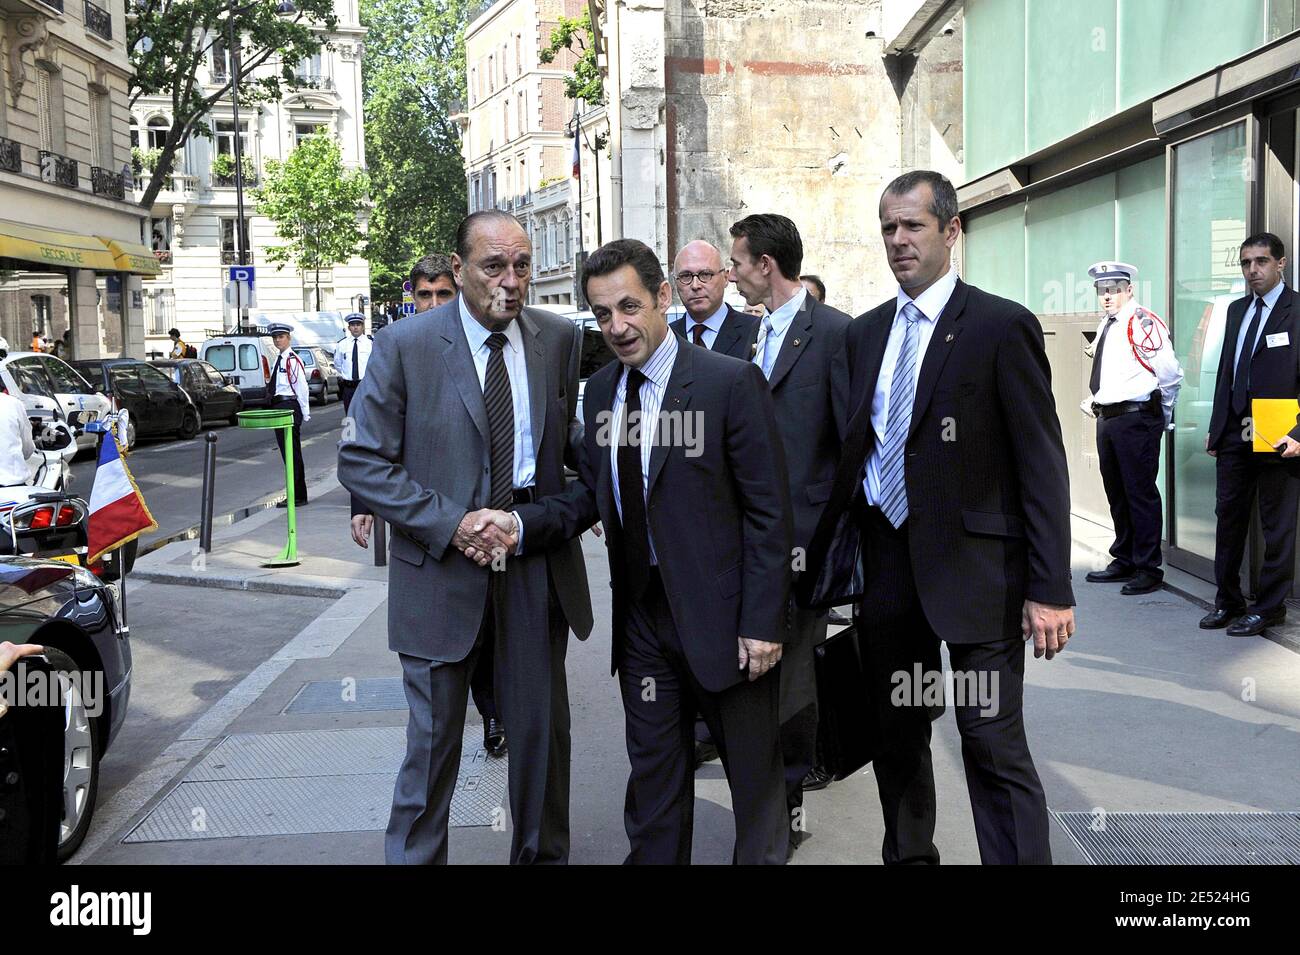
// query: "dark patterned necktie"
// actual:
[[631, 493], [1241, 378], [501, 424], [698, 332]]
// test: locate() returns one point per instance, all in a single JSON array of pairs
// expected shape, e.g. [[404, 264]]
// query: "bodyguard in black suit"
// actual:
[[702, 284], [950, 517], [799, 346], [1260, 359], [697, 522]]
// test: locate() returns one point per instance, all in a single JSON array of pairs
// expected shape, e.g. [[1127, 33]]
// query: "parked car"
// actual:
[[77, 617], [595, 353], [247, 358], [322, 376], [35, 378], [157, 405], [213, 393]]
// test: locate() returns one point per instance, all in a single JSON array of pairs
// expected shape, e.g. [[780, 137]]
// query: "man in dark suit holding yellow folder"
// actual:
[[1260, 359]]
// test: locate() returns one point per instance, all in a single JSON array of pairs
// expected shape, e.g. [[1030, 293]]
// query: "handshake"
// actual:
[[485, 536]]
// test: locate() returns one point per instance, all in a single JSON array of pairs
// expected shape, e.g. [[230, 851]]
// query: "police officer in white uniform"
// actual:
[[1134, 384], [288, 389], [351, 355]]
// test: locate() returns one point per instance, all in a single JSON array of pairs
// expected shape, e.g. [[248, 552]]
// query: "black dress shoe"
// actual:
[[1220, 617], [1254, 624], [296, 504], [705, 752], [1111, 575], [838, 619], [817, 778], [494, 738], [1143, 583]]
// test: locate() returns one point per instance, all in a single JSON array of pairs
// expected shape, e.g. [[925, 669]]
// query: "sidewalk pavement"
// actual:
[[1144, 713]]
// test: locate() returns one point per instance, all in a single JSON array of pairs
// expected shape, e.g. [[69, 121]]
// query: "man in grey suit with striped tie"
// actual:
[[470, 406]]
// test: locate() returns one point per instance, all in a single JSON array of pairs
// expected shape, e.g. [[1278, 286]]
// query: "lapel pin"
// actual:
[[950, 337], [796, 343], [753, 349]]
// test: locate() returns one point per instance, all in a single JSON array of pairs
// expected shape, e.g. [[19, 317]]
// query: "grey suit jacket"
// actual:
[[417, 455]]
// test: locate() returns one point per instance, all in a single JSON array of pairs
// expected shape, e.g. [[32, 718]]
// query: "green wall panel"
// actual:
[[1166, 42], [993, 84], [1140, 229], [1067, 231], [1070, 76], [995, 252]]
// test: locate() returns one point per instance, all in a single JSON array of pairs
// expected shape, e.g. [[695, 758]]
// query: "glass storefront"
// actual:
[[1211, 202], [33, 304]]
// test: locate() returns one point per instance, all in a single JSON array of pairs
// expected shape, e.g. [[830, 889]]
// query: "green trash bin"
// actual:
[[279, 418]]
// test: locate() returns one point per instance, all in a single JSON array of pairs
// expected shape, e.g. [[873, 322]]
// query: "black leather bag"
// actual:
[[848, 731]]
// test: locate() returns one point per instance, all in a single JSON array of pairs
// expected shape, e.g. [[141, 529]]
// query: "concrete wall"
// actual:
[[792, 108]]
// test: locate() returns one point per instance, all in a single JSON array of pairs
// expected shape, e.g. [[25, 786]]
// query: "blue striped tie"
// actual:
[[902, 393]]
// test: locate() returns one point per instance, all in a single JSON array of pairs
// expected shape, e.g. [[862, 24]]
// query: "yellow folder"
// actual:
[[1272, 419]]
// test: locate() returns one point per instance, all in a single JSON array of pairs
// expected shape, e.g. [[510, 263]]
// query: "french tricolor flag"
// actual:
[[117, 510]]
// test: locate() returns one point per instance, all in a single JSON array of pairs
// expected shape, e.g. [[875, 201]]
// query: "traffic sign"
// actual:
[[242, 273], [406, 286], [408, 308]]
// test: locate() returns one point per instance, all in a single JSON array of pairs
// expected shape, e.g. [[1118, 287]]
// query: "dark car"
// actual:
[[322, 376], [213, 393], [75, 615], [157, 405]]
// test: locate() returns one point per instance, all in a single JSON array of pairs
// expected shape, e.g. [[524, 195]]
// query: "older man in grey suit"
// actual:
[[468, 406]]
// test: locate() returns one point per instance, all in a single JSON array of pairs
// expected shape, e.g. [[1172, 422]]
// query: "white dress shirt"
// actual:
[[517, 372], [343, 356], [780, 322], [1123, 377], [16, 444], [291, 381], [712, 326], [931, 304], [657, 370]]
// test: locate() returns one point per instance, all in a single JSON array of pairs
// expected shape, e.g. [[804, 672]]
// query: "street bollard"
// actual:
[[209, 490], [381, 544]]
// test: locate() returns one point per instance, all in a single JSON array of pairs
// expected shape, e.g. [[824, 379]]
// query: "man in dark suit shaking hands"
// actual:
[[952, 503], [682, 463], [1260, 359]]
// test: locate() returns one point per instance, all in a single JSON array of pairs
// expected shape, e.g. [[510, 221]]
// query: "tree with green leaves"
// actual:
[[575, 34], [414, 81], [316, 204], [172, 45]]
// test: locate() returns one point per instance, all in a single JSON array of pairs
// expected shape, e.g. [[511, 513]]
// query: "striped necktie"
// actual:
[[501, 424], [765, 358], [902, 394]]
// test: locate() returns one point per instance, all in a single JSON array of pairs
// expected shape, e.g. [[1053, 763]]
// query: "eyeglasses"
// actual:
[[687, 279]]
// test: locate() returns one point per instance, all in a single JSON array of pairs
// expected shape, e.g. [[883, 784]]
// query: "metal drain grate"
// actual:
[[332, 696], [321, 781], [1185, 838]]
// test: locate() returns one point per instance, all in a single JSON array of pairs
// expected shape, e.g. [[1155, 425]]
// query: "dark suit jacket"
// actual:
[[419, 458], [810, 389], [734, 338], [987, 486], [1274, 372], [719, 519]]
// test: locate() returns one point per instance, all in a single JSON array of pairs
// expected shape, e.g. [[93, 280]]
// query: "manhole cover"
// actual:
[[1185, 838], [270, 784]]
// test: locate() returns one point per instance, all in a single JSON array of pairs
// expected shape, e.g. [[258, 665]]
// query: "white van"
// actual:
[[247, 359]]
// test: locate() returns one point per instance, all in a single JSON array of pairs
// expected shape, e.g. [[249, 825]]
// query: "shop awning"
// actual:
[[66, 249], [132, 257]]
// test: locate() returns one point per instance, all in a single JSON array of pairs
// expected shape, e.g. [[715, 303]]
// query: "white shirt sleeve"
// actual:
[[340, 359], [298, 378]]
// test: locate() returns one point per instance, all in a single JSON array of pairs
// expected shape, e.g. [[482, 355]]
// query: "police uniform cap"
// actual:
[[356, 318], [276, 328], [1109, 271]]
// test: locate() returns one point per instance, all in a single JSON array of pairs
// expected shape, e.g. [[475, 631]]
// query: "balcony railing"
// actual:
[[229, 257], [59, 170], [164, 256], [11, 155], [250, 179], [105, 182], [315, 81], [98, 20]]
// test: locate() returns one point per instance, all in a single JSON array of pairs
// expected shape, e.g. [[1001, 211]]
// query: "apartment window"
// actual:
[[505, 121], [226, 137], [519, 55], [159, 310], [229, 250], [476, 193], [44, 108], [492, 76], [523, 113], [473, 86], [505, 75], [156, 134], [302, 130], [492, 189], [309, 71], [220, 64], [101, 130]]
